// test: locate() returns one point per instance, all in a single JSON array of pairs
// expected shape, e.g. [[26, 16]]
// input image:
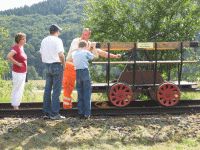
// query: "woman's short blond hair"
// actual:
[[19, 36]]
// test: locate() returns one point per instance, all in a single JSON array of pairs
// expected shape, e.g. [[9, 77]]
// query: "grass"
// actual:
[[34, 91], [190, 95]]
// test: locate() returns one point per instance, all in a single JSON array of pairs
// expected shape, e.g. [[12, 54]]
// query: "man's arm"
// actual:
[[73, 46], [60, 49], [62, 58], [105, 54], [89, 56]]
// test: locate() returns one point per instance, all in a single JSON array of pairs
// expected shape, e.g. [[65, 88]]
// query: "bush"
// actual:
[[3, 66]]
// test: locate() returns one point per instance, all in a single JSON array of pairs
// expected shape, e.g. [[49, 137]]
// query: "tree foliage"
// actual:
[[110, 20], [142, 20], [3, 63], [34, 21], [145, 21], [51, 7]]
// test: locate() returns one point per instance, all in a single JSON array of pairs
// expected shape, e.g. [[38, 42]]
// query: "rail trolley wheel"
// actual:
[[120, 94], [168, 94]]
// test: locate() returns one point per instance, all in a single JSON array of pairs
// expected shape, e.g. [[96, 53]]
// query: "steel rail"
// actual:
[[136, 103], [135, 108], [37, 112]]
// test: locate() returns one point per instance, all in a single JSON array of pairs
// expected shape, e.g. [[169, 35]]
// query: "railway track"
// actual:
[[106, 109]]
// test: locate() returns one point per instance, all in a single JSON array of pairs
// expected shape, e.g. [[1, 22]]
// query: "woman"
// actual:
[[18, 58]]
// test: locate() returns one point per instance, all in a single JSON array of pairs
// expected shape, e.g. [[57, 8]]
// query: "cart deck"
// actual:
[[184, 86]]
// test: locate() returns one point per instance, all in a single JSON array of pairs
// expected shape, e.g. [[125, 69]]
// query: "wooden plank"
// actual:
[[118, 46], [171, 45], [147, 62], [130, 45]]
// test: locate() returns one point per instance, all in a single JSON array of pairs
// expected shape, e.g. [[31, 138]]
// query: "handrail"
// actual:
[[147, 45]]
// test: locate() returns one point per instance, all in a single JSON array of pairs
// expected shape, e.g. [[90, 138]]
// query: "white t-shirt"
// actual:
[[73, 47], [50, 47]]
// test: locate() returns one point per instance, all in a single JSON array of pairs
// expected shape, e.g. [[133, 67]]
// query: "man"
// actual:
[[70, 73], [52, 53]]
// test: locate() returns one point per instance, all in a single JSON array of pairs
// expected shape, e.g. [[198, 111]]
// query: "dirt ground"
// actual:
[[128, 132]]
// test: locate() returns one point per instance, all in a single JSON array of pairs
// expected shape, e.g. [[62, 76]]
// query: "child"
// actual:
[[83, 83], [69, 75]]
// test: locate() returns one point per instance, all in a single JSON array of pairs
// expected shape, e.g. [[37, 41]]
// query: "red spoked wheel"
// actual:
[[168, 94], [120, 94]]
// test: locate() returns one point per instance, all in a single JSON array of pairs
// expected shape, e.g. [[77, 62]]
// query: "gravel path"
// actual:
[[29, 133]]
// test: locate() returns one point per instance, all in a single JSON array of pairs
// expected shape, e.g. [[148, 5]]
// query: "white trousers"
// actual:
[[18, 80]]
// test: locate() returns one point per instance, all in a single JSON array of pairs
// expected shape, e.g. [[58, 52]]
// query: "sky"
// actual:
[[9, 4]]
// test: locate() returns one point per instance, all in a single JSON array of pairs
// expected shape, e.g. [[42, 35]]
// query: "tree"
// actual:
[[141, 20], [32, 74], [144, 21], [35, 20], [3, 63], [3, 66]]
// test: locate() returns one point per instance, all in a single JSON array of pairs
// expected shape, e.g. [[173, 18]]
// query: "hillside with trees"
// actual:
[[110, 20], [35, 21]]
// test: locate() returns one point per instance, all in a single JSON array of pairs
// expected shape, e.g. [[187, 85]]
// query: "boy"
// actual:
[[83, 83]]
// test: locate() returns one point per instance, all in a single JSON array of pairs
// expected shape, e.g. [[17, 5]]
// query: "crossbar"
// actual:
[[160, 45]]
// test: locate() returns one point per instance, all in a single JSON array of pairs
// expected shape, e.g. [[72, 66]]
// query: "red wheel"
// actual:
[[168, 94], [120, 94]]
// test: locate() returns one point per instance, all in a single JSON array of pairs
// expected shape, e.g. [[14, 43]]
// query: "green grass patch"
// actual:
[[34, 91], [190, 95]]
